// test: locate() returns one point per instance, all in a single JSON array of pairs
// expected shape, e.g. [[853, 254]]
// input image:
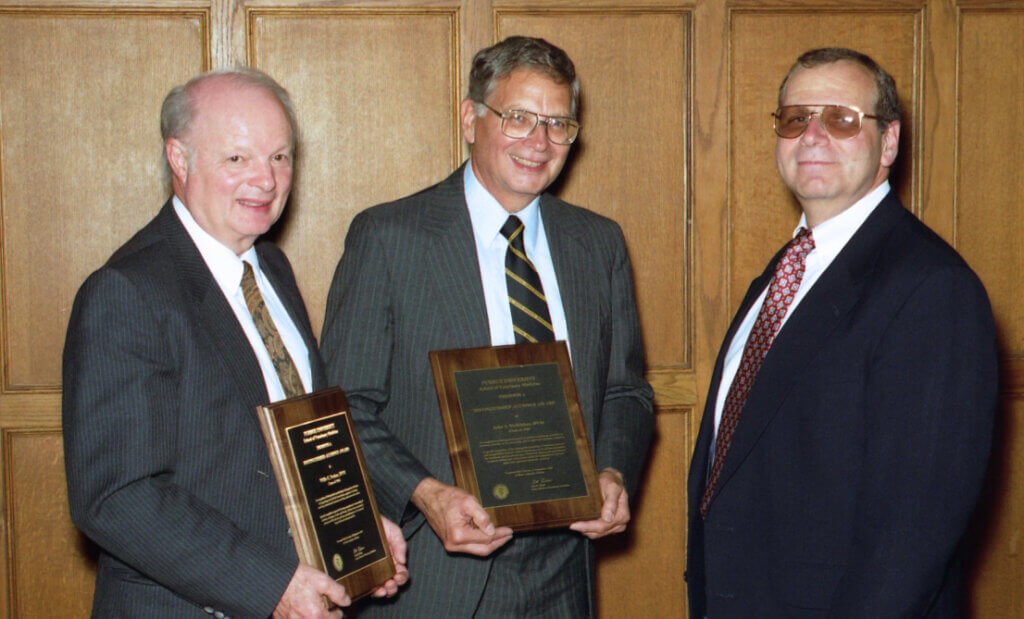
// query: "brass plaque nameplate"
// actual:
[[516, 434]]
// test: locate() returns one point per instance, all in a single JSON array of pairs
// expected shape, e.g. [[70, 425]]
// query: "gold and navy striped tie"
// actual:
[[530, 318], [283, 364]]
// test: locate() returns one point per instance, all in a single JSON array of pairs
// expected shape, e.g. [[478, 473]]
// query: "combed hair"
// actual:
[[496, 62], [887, 108]]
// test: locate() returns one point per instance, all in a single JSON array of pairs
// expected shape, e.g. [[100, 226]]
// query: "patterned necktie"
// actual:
[[786, 281], [283, 364], [530, 319]]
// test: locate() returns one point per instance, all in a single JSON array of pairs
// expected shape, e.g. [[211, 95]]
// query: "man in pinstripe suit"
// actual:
[[164, 365], [427, 273]]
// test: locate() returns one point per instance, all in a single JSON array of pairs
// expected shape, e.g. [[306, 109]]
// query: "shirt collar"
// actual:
[[488, 216], [831, 235], [224, 264]]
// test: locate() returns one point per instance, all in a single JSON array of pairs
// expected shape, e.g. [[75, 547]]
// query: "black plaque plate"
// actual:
[[327, 497]]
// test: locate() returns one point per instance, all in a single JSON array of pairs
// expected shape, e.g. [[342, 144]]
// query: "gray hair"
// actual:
[[496, 62], [887, 108], [178, 109]]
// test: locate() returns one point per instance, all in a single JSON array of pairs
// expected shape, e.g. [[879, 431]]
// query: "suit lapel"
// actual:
[[702, 448], [451, 255], [571, 259], [819, 313], [213, 315]]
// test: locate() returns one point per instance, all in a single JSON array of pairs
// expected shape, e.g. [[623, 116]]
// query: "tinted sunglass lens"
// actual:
[[790, 122], [841, 122]]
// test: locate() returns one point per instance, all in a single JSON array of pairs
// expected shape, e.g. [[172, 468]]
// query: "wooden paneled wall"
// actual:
[[676, 145]]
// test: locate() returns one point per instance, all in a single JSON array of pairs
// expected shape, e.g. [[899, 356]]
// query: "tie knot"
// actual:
[[250, 290], [802, 244], [512, 227], [248, 277]]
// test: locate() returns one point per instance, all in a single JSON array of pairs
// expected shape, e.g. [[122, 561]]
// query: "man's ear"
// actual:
[[890, 143], [177, 158], [467, 114]]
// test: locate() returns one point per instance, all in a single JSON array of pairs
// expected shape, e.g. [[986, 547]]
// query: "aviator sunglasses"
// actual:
[[842, 122]]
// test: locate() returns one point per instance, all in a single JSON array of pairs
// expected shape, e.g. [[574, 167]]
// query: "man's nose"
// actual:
[[815, 131], [263, 176], [538, 139]]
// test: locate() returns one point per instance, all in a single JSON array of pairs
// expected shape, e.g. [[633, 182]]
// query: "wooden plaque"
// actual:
[[516, 435], [326, 491]]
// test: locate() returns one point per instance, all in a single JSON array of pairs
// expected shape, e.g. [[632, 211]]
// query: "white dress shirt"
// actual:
[[226, 267], [488, 216], [830, 237]]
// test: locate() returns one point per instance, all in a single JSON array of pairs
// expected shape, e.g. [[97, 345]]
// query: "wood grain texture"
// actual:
[[49, 562], [324, 420], [989, 210], [640, 573], [988, 223], [762, 212], [631, 160], [995, 543], [376, 95], [507, 455], [80, 158]]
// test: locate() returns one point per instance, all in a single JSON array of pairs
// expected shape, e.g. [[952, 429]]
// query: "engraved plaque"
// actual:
[[326, 491], [516, 435]]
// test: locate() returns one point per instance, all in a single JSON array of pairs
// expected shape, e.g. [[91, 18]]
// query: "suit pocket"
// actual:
[[130, 576]]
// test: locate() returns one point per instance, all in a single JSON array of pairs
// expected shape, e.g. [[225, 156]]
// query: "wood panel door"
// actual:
[[676, 146]]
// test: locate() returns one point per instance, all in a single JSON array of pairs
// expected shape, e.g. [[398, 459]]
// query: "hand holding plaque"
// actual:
[[516, 435], [327, 495]]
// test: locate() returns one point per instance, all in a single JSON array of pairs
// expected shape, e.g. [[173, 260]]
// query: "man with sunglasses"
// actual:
[[432, 272], [848, 422]]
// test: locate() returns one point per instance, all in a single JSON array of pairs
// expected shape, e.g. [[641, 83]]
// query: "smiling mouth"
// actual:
[[255, 203], [527, 162]]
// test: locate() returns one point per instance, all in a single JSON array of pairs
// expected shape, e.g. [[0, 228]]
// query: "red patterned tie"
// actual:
[[786, 281]]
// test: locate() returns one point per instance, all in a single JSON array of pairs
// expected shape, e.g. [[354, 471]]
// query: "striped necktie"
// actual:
[[283, 364], [530, 319]]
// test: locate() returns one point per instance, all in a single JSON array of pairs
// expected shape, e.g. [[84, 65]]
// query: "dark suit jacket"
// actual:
[[861, 449], [409, 283], [166, 465]]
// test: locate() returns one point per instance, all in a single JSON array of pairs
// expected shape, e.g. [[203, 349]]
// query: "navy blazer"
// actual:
[[861, 449], [166, 465]]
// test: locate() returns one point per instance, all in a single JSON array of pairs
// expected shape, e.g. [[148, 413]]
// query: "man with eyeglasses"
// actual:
[[848, 423], [428, 272]]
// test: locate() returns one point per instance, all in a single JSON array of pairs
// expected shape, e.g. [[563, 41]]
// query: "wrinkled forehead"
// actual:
[[838, 83]]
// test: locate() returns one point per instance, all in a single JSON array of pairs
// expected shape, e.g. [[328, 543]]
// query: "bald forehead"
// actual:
[[221, 90], [220, 96]]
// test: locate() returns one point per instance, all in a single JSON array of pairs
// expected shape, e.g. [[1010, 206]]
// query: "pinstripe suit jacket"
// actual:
[[409, 283], [166, 465]]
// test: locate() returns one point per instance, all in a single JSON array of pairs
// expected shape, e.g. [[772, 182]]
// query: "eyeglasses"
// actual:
[[518, 124], [842, 122]]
